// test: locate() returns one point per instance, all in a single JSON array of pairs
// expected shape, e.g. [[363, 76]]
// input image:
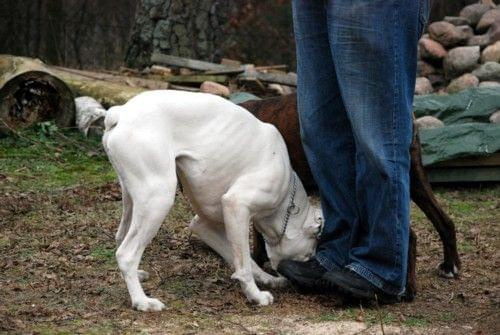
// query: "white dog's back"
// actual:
[[206, 136]]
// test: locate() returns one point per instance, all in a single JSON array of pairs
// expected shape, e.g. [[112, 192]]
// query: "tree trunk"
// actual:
[[191, 29]]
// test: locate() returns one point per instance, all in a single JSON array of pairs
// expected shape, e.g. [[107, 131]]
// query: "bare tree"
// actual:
[[74, 33]]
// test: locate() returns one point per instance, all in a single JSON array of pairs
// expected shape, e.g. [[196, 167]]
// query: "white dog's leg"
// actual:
[[126, 215], [214, 235], [148, 214], [237, 222], [125, 224]]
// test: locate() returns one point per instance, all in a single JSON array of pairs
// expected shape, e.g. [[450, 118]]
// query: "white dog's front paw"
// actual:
[[263, 298], [148, 305], [143, 275]]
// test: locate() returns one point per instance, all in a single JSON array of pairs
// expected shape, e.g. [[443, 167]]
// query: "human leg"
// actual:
[[373, 44], [325, 131]]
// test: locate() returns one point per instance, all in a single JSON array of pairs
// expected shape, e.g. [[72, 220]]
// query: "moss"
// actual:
[[38, 161]]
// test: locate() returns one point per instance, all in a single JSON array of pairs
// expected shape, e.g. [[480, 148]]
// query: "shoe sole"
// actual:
[[303, 284], [366, 295]]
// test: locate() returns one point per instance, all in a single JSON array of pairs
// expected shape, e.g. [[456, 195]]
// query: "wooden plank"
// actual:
[[226, 71], [193, 64], [184, 88], [491, 160], [464, 174], [278, 78], [195, 79], [285, 79], [271, 67], [230, 62]]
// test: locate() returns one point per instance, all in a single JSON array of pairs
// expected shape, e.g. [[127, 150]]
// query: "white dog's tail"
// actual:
[[111, 119]]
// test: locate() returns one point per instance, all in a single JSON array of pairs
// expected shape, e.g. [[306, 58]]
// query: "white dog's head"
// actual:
[[301, 235]]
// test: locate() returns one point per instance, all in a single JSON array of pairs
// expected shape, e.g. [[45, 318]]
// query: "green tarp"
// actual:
[[241, 97], [467, 131], [459, 140]]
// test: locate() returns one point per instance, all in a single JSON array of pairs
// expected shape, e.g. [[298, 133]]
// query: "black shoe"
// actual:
[[354, 286], [303, 275]]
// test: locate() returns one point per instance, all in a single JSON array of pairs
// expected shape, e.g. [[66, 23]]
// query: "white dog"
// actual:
[[234, 169]]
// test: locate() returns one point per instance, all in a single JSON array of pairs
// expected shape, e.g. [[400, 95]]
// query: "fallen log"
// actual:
[[133, 81], [106, 92], [31, 93]]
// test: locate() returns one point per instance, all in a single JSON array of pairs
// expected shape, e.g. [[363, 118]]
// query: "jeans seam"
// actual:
[[375, 280], [326, 262], [394, 187]]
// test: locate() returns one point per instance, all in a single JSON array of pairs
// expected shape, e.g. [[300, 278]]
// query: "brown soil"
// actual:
[[58, 274]]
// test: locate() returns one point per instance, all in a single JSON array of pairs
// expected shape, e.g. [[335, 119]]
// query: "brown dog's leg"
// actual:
[[422, 195], [259, 253], [411, 276]]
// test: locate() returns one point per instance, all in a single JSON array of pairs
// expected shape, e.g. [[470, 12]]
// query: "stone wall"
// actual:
[[460, 52]]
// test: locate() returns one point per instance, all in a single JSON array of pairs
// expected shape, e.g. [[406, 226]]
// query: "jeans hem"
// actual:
[[375, 280], [326, 263]]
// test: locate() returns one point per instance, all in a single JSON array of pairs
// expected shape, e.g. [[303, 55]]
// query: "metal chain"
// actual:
[[288, 212]]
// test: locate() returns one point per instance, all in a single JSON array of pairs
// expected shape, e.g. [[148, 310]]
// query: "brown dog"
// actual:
[[282, 113]]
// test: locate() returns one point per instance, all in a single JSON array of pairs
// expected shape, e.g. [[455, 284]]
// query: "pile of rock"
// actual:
[[461, 52]]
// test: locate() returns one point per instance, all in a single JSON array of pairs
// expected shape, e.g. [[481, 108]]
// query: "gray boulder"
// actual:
[[430, 49], [215, 88], [457, 20], [466, 31], [494, 32], [424, 69], [474, 12], [447, 34], [427, 122], [461, 83], [461, 60], [488, 71], [487, 20], [495, 117], [423, 86], [491, 53], [480, 40]]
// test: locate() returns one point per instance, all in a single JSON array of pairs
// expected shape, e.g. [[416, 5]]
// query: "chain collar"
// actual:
[[291, 209]]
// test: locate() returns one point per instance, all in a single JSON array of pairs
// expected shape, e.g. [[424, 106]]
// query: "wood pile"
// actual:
[[190, 74], [461, 52], [32, 92]]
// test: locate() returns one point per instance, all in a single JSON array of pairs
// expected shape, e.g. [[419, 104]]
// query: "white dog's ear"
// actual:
[[315, 227]]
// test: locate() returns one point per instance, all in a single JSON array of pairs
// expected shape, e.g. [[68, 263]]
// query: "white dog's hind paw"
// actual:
[[148, 305], [278, 282], [143, 275], [264, 298]]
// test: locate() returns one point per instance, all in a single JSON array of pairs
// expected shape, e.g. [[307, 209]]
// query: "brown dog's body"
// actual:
[[282, 113]]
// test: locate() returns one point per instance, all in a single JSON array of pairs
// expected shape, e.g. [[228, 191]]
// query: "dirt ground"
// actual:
[[58, 273]]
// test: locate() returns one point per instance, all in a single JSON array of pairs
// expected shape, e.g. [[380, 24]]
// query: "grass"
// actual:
[[59, 210], [415, 321], [37, 161], [101, 253]]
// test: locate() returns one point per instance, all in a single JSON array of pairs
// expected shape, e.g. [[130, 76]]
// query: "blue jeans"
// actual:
[[356, 63]]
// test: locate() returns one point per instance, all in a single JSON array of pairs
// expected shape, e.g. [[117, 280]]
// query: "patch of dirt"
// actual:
[[58, 274]]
